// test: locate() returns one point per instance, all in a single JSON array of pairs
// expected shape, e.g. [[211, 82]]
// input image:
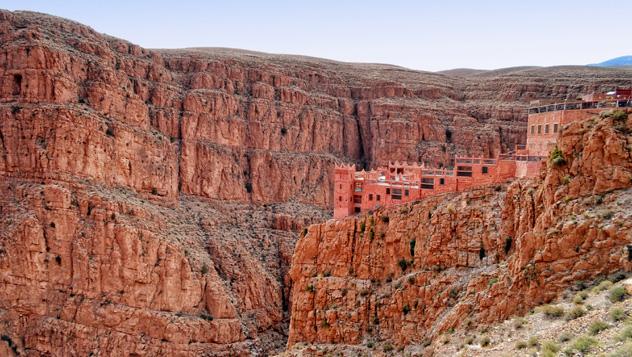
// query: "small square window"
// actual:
[[555, 128], [388, 191], [441, 181], [370, 197], [377, 197], [406, 192], [485, 169], [339, 198]]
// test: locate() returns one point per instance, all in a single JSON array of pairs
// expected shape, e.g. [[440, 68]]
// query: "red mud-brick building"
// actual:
[[397, 183]]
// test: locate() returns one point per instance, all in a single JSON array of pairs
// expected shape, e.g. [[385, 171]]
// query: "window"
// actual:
[[377, 197], [464, 171], [546, 129], [555, 128], [442, 181], [370, 197], [539, 129], [339, 198], [357, 210], [406, 192], [341, 186], [397, 194], [358, 187], [484, 169], [427, 183], [388, 191], [357, 199], [532, 129]]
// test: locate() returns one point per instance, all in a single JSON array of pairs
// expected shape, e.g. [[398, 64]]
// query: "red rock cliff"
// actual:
[[149, 199], [406, 274]]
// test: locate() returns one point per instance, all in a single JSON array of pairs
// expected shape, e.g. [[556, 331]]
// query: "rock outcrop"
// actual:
[[407, 274], [150, 200]]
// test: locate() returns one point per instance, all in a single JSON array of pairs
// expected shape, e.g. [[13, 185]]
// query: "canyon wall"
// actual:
[[150, 200], [408, 273]]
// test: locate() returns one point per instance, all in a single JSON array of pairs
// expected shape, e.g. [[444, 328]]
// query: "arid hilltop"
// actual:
[[151, 199]]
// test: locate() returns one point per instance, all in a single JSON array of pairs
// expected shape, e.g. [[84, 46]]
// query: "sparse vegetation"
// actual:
[[557, 157], [618, 293], [519, 322], [485, 341], [406, 309], [532, 341], [388, 347], [550, 348], [552, 312], [204, 269], [604, 285], [520, 345], [580, 297], [491, 282], [626, 334], [575, 313], [617, 314], [623, 351], [565, 337], [385, 218], [310, 288], [403, 264], [597, 326], [584, 344]]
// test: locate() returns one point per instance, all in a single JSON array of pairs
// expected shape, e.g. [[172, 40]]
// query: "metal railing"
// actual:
[[621, 102]]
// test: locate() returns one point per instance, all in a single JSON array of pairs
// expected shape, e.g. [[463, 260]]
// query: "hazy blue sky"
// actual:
[[429, 35]]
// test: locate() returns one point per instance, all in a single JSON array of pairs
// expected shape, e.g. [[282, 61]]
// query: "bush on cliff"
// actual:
[[617, 293], [557, 157]]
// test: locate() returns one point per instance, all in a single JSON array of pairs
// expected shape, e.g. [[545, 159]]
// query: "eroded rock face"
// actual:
[[406, 274], [143, 192]]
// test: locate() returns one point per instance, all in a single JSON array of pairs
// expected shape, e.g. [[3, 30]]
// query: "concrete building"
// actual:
[[397, 183]]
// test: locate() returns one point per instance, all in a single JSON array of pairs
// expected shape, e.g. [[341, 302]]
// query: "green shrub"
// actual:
[[388, 347], [618, 115], [551, 347], [604, 285], [617, 293], [597, 327], [580, 297], [575, 313], [565, 337], [385, 219], [491, 282], [532, 341], [403, 264], [469, 340], [520, 345], [557, 157], [552, 312], [519, 322], [406, 309], [623, 351], [310, 288], [625, 334], [584, 344], [485, 341], [617, 314]]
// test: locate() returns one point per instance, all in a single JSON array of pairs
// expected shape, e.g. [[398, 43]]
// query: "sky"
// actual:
[[423, 35]]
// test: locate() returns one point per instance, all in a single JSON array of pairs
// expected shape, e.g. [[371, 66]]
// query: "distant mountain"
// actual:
[[623, 61]]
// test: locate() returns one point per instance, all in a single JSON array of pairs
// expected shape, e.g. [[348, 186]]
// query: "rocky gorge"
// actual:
[[151, 200]]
